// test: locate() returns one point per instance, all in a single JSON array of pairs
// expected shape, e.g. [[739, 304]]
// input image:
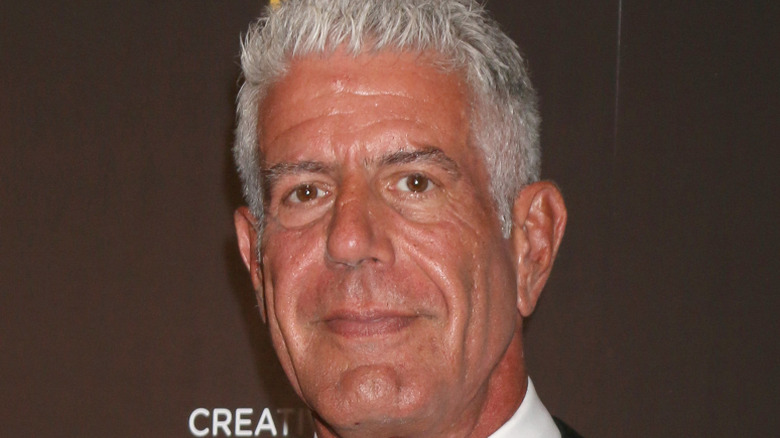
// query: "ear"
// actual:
[[246, 231], [538, 222]]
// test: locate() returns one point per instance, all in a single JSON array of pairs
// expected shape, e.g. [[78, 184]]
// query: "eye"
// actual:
[[414, 183], [305, 193]]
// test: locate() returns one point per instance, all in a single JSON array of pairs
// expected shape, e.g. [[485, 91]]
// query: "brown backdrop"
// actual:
[[124, 306]]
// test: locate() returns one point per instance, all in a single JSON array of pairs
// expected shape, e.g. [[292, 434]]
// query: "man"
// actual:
[[396, 233]]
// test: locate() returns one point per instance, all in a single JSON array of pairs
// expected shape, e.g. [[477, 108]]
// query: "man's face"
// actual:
[[389, 291]]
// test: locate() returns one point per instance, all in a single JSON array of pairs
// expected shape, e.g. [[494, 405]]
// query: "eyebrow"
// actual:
[[272, 174], [428, 154]]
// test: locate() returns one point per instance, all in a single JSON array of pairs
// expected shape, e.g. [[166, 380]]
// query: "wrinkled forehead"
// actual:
[[344, 69], [321, 84]]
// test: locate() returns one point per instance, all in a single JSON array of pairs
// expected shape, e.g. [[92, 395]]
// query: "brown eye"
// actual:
[[414, 183], [305, 193]]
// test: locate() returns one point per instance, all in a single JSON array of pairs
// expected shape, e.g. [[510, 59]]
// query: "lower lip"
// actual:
[[357, 328]]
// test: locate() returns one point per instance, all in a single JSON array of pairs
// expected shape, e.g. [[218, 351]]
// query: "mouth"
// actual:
[[354, 325]]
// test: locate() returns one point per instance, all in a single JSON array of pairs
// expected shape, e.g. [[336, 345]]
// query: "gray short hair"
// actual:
[[505, 120]]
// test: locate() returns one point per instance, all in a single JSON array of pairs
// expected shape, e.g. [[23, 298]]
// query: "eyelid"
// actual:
[[405, 177], [280, 176], [290, 198]]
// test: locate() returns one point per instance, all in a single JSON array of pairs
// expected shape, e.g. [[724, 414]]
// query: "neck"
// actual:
[[506, 390]]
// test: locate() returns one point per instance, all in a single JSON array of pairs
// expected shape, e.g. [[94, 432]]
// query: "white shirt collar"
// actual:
[[531, 420]]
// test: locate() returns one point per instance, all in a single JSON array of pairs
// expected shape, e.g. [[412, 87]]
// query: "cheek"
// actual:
[[461, 252], [470, 261], [291, 265]]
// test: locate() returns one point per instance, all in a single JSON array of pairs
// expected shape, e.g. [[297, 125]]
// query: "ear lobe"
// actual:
[[246, 231], [538, 223]]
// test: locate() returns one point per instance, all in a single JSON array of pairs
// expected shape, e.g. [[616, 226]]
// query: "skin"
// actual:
[[393, 301]]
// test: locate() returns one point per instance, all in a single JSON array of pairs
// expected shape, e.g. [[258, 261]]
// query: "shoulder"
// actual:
[[566, 431]]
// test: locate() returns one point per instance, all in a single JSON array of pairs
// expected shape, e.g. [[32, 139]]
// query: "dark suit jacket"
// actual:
[[566, 431]]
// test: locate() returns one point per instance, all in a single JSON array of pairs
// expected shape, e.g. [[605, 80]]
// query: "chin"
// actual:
[[374, 398]]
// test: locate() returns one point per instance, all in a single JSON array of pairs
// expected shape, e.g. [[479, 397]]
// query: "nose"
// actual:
[[357, 232]]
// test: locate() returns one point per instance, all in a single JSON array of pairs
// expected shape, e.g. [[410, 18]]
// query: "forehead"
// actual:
[[341, 98]]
